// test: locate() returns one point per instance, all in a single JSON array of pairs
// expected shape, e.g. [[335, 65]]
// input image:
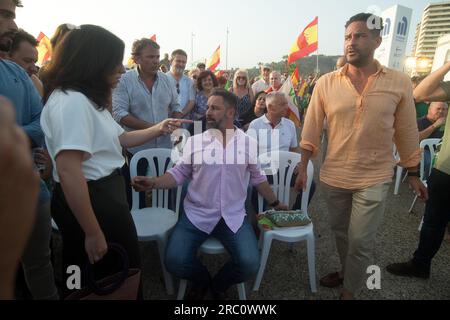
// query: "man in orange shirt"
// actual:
[[368, 108]]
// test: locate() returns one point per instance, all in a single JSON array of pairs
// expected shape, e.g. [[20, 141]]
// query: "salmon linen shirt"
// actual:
[[362, 128]]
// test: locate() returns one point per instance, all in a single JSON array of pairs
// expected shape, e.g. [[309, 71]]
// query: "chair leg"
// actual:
[[260, 240], [182, 289], [398, 180], [267, 243], [168, 280], [413, 204], [312, 262], [421, 225], [241, 291]]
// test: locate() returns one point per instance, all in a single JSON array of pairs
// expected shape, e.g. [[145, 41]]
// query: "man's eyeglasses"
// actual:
[[178, 88]]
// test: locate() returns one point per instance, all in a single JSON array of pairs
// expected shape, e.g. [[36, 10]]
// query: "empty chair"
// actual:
[[426, 165], [156, 222]]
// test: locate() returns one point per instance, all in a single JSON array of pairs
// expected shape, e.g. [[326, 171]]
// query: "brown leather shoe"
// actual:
[[331, 280]]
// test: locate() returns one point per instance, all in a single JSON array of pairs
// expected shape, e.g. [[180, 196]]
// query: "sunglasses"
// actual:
[[178, 88]]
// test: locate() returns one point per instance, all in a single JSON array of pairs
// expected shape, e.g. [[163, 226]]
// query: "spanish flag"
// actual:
[[214, 62], [295, 77], [293, 111], [44, 49], [302, 90], [306, 43]]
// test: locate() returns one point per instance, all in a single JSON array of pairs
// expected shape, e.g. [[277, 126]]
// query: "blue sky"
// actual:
[[260, 31]]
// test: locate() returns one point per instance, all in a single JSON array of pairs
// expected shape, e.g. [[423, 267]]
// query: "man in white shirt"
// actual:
[[273, 131], [184, 86], [264, 83]]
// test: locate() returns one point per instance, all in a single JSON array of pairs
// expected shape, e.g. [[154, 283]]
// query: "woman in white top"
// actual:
[[89, 203]]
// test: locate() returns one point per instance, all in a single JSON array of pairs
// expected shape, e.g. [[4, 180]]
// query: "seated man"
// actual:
[[215, 203], [432, 127], [274, 132], [433, 124]]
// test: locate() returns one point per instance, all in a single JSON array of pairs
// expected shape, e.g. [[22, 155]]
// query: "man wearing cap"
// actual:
[[264, 83]]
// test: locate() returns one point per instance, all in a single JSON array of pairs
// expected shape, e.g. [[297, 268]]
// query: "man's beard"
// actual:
[[6, 41], [360, 61], [212, 124]]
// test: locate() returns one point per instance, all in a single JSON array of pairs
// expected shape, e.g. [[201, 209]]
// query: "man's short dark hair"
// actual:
[[141, 44], [374, 22], [178, 52], [19, 37], [230, 99]]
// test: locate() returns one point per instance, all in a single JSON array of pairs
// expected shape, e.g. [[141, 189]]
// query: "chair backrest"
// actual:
[[159, 161], [430, 145], [282, 167]]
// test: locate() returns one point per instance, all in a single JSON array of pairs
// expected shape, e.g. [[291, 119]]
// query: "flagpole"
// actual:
[[192, 48], [226, 64], [318, 43]]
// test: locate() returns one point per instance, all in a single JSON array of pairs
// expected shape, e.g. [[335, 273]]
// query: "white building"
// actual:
[[435, 23]]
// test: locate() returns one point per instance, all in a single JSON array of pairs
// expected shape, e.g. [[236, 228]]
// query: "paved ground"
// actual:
[[286, 276]]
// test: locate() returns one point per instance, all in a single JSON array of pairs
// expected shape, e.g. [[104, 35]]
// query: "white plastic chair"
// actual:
[[155, 223], [286, 162], [211, 246], [398, 177], [431, 145]]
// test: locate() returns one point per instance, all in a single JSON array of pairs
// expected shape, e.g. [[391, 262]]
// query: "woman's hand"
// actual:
[[96, 247], [168, 126]]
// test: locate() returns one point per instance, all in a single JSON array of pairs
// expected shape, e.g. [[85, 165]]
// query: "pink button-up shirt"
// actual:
[[219, 179]]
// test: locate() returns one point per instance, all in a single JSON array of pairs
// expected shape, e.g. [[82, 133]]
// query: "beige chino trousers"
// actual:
[[355, 216]]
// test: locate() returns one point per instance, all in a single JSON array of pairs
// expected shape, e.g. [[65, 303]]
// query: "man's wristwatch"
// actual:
[[414, 174], [275, 204]]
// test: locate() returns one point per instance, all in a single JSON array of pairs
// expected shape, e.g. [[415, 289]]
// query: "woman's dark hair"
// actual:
[[256, 98], [83, 61], [204, 75]]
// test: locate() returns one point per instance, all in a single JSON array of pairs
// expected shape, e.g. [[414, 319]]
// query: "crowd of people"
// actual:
[[69, 130]]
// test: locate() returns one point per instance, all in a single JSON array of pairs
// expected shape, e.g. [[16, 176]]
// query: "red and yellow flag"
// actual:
[[153, 38], [302, 90], [306, 43], [293, 111], [214, 62], [44, 49], [295, 78]]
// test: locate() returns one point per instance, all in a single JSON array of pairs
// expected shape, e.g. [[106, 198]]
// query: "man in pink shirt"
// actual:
[[220, 164]]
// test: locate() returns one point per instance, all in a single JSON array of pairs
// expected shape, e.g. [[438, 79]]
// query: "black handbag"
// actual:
[[123, 285]]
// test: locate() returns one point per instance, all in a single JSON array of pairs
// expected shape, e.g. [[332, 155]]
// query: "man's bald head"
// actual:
[[437, 110]]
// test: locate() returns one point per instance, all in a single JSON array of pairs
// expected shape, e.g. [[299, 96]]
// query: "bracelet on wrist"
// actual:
[[414, 174]]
